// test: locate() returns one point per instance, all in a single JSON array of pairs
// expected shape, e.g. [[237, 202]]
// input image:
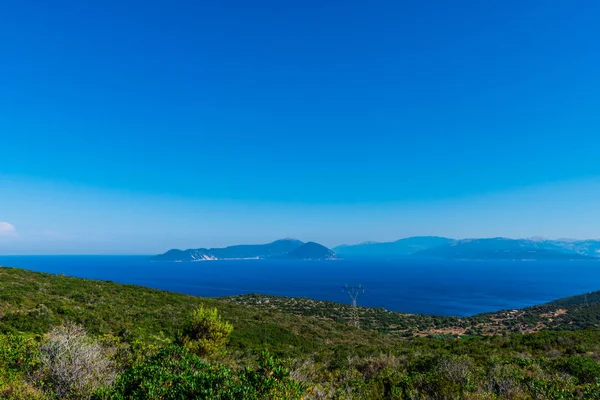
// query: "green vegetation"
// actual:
[[63, 337], [206, 334], [572, 313], [173, 374]]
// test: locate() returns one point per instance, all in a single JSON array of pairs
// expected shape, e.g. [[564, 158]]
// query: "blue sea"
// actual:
[[437, 287]]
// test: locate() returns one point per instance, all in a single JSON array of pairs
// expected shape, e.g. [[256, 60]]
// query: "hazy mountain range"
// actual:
[[493, 248], [402, 247], [420, 246]]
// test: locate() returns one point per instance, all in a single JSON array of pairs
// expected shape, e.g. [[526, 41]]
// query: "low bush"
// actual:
[[18, 356], [73, 365]]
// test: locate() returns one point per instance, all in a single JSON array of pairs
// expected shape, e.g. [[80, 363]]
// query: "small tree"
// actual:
[[206, 334]]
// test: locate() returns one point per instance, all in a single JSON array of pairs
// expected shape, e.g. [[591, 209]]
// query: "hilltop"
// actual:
[[35, 301], [311, 251]]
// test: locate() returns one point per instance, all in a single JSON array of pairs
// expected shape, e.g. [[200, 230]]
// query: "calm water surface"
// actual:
[[415, 286]]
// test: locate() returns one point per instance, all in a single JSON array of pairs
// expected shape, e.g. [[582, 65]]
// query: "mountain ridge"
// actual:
[[283, 248], [405, 246], [476, 248], [501, 249]]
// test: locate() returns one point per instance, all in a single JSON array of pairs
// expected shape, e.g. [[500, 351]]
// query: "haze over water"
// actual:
[[438, 287]]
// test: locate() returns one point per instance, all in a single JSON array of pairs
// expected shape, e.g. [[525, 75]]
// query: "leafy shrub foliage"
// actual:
[[17, 352], [175, 373], [585, 369], [206, 334], [17, 357]]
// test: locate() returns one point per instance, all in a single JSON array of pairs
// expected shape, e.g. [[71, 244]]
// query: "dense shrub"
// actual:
[[17, 352], [37, 320], [206, 334], [17, 357], [175, 373], [585, 369]]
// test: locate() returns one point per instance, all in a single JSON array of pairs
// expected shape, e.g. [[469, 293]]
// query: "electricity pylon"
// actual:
[[353, 292]]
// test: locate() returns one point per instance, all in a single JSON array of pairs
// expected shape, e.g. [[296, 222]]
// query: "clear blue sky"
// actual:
[[136, 126]]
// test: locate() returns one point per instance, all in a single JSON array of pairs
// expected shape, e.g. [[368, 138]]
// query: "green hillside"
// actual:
[[572, 313], [139, 335], [34, 302]]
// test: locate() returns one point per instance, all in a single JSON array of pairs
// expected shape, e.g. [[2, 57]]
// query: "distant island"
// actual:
[[471, 249], [279, 249], [500, 249]]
